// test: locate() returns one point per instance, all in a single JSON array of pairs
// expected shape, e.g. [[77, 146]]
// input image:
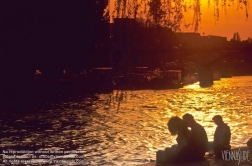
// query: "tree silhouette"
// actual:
[[156, 11], [169, 13], [249, 40], [236, 37]]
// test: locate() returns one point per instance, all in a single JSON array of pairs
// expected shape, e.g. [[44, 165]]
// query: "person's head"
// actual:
[[174, 124], [217, 119], [188, 119]]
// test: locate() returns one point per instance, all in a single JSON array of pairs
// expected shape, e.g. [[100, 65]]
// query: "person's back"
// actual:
[[198, 139], [222, 136]]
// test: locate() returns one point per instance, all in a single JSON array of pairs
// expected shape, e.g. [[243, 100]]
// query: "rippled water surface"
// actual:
[[130, 132]]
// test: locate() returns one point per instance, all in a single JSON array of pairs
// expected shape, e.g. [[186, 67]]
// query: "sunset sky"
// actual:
[[234, 20]]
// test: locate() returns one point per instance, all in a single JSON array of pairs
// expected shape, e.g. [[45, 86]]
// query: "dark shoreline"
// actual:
[[211, 161], [42, 96]]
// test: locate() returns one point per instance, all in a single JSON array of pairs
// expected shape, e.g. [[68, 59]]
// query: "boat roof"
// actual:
[[175, 71], [141, 67], [102, 68]]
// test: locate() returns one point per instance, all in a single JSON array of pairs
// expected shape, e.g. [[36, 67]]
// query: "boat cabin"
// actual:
[[140, 69], [102, 70], [173, 74], [102, 73]]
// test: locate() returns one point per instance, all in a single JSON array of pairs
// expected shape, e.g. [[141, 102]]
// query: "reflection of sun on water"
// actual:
[[220, 102], [139, 128], [192, 86]]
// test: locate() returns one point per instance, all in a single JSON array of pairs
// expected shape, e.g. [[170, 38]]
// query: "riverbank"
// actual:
[[211, 161], [130, 132]]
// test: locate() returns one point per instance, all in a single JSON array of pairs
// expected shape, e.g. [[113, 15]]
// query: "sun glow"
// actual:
[[208, 17]]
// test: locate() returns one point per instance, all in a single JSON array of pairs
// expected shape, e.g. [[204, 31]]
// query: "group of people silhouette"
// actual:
[[193, 144]]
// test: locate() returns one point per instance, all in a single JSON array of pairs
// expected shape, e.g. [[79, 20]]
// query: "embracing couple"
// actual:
[[193, 144]]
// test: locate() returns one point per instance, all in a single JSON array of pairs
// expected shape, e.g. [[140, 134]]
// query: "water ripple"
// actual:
[[129, 131]]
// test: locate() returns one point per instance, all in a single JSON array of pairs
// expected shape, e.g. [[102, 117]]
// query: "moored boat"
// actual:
[[101, 80], [169, 79]]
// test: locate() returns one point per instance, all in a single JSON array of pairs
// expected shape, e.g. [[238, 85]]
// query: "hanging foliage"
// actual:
[[170, 13]]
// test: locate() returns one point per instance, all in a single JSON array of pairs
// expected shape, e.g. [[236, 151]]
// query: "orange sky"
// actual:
[[233, 21]]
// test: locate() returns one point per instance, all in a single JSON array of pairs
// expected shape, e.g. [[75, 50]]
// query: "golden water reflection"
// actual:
[[130, 132], [138, 129]]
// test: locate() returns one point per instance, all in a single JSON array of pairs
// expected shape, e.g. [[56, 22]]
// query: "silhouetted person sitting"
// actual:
[[177, 126], [198, 139], [249, 143], [222, 136], [178, 152]]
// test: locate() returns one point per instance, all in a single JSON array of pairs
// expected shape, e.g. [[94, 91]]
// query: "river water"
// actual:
[[128, 127]]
